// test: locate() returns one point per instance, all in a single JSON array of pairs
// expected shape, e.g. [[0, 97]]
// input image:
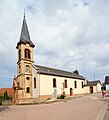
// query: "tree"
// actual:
[[6, 95]]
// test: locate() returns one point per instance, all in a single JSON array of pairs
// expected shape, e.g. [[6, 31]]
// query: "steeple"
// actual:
[[24, 36]]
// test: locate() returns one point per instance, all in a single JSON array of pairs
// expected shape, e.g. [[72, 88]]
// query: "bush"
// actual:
[[0, 102], [61, 97], [4, 97], [1, 99]]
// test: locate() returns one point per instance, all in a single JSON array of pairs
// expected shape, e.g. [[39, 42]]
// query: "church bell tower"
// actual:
[[24, 64]]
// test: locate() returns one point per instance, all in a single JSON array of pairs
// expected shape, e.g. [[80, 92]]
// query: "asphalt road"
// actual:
[[91, 107]]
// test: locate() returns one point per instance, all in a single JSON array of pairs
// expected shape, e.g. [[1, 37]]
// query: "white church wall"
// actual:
[[46, 85], [35, 91], [79, 89]]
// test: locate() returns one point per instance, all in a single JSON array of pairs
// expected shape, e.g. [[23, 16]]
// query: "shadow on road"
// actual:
[[3, 108]]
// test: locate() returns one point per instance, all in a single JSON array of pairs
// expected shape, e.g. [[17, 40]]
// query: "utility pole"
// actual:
[[94, 77]]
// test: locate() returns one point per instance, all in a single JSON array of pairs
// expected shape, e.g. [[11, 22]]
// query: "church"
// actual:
[[34, 82]]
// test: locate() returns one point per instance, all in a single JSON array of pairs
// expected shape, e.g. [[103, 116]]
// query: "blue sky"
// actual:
[[68, 34]]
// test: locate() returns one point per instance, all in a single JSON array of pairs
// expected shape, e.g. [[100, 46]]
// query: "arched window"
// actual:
[[75, 84], [65, 83], [28, 90], [82, 84], [34, 82], [27, 69], [19, 68], [19, 53], [27, 53], [54, 82]]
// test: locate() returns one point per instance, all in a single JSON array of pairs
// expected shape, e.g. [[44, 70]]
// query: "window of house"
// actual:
[[34, 82], [27, 53], [19, 53], [54, 82], [75, 84], [28, 90], [65, 83], [82, 84]]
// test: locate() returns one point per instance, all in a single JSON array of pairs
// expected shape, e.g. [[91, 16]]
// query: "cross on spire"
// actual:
[[24, 13]]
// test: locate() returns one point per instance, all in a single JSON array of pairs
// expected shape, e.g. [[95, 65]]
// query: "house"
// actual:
[[9, 91], [93, 86], [107, 83], [40, 82]]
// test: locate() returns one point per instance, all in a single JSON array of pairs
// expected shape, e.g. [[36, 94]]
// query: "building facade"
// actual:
[[39, 82], [107, 84], [93, 87]]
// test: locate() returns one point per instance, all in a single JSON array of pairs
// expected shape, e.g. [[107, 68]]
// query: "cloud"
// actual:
[[68, 35]]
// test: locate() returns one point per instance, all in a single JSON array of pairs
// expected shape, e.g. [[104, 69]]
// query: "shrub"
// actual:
[[6, 97], [1, 99], [61, 97]]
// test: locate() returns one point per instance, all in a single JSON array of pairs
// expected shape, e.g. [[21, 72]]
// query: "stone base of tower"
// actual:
[[27, 101]]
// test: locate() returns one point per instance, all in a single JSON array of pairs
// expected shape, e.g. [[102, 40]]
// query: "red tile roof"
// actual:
[[9, 91]]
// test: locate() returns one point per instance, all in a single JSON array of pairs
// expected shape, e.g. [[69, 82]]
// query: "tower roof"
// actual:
[[24, 36]]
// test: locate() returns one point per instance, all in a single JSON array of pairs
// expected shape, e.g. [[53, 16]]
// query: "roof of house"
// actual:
[[57, 72], [93, 83], [25, 37], [9, 91], [107, 80]]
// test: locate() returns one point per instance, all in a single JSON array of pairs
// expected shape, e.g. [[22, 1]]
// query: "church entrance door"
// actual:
[[71, 92]]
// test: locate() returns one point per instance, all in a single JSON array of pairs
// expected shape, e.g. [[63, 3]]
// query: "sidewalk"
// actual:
[[90, 107], [106, 116]]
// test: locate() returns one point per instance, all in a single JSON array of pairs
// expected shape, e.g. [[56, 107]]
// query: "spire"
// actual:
[[24, 13], [24, 36]]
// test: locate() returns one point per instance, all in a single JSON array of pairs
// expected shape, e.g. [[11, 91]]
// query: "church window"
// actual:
[[19, 68], [27, 78], [54, 82], [82, 84], [27, 68], [65, 83], [75, 84], [28, 90], [19, 53], [34, 82], [27, 53]]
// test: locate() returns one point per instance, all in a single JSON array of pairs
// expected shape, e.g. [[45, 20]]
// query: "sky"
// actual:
[[68, 35]]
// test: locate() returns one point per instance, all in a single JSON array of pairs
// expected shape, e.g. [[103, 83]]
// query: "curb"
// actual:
[[101, 114]]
